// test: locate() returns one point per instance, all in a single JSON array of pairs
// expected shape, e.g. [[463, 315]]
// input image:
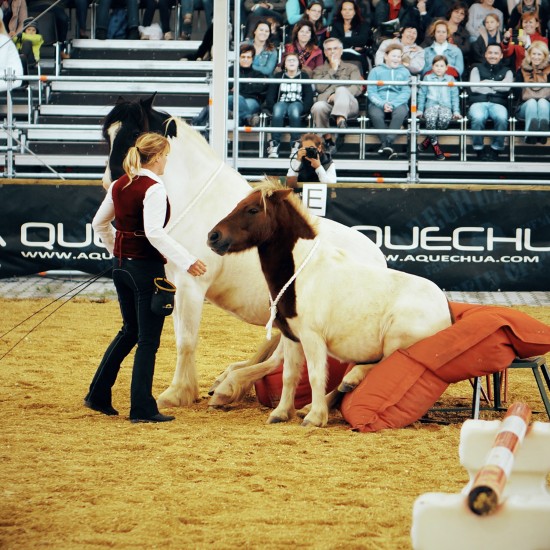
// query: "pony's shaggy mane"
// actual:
[[269, 186]]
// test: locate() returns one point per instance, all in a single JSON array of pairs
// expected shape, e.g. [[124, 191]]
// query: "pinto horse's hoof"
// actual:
[[344, 387], [303, 412]]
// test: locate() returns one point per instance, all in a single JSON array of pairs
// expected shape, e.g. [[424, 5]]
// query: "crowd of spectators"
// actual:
[[341, 40], [437, 40]]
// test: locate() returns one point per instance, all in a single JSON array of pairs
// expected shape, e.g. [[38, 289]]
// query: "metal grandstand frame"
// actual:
[[18, 134]]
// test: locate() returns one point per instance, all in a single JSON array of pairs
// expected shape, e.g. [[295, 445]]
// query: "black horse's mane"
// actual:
[[136, 111]]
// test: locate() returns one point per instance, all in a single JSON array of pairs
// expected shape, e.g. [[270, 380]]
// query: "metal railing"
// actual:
[[412, 132]]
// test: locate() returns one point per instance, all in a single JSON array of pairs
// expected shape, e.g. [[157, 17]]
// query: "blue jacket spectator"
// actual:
[[437, 104], [440, 46], [390, 99], [265, 59]]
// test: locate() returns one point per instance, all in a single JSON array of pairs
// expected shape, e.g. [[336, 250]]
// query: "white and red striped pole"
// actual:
[[488, 486]]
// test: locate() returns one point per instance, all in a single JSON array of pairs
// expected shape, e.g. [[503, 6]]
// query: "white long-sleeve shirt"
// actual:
[[9, 59], [325, 176], [154, 215]]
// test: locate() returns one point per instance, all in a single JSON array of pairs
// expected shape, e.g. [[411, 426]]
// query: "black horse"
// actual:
[[126, 121]]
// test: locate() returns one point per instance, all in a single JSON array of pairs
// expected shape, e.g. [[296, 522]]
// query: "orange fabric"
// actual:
[[483, 340], [395, 393], [269, 388]]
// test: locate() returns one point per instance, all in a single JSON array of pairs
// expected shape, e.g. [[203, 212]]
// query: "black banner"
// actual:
[[49, 227], [478, 239], [485, 239]]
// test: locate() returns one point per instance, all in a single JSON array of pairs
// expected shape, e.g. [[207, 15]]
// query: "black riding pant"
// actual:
[[133, 281]]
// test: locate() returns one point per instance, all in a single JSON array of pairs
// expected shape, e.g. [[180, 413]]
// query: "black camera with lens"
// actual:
[[312, 153]]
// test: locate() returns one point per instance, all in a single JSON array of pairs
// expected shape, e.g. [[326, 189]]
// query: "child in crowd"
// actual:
[[293, 97], [438, 105], [489, 34], [29, 43]]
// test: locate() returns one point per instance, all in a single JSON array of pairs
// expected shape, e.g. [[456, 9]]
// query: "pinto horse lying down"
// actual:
[[323, 300]]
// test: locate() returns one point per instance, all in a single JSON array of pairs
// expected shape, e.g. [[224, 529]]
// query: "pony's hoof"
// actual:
[[309, 424], [219, 400], [213, 387], [303, 412], [275, 420], [345, 387]]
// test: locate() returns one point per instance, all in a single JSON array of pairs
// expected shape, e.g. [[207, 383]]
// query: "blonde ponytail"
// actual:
[[147, 147]]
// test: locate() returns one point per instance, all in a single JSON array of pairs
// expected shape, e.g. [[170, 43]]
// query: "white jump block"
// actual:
[[445, 522]]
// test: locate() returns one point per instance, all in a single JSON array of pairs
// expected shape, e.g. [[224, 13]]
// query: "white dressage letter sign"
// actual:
[[314, 197]]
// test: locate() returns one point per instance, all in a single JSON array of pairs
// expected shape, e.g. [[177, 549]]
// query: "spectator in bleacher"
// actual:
[[389, 99], [298, 9], [413, 55], [488, 102], [529, 6], [81, 8], [516, 47], [311, 163], [291, 98], [457, 18], [440, 45], [336, 99], [187, 8], [439, 9], [9, 59], [489, 34], [438, 105], [256, 11], [60, 26], [164, 7], [314, 14], [14, 15], [412, 13], [295, 10], [348, 26], [304, 44], [204, 51], [251, 94], [28, 44], [103, 14], [477, 14], [534, 108], [265, 58]]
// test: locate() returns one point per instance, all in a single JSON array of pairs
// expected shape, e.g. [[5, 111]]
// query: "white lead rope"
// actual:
[[273, 306]]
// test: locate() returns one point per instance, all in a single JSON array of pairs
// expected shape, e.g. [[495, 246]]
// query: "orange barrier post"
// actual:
[[488, 486]]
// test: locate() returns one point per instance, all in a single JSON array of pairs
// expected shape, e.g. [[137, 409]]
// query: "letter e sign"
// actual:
[[314, 197]]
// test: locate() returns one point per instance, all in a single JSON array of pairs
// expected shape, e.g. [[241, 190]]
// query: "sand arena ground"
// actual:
[[72, 478]]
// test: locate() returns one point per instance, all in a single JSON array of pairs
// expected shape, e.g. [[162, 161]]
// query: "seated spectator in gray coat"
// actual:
[[335, 99]]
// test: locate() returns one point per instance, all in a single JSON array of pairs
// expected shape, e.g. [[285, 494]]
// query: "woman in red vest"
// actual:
[[138, 204]]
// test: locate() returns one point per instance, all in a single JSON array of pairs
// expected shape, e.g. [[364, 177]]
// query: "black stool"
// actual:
[[500, 382], [536, 364]]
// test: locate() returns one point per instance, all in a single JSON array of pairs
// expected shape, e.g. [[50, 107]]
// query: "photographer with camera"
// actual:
[[311, 163]]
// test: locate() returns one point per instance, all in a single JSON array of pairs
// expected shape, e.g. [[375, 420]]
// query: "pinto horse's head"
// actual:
[[266, 213], [122, 126]]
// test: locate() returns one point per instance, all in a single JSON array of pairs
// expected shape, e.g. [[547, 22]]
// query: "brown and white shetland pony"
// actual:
[[323, 298]]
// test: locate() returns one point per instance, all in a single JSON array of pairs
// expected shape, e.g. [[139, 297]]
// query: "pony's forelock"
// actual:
[[267, 187]]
